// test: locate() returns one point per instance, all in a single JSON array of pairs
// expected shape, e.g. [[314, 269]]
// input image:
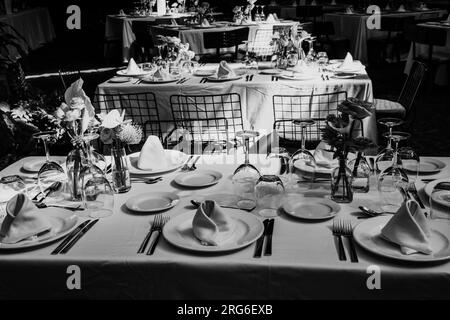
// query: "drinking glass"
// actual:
[[440, 201], [98, 197], [410, 162], [51, 172], [269, 191], [386, 156], [311, 56], [277, 164], [322, 60], [246, 175], [393, 181], [263, 15], [302, 164]]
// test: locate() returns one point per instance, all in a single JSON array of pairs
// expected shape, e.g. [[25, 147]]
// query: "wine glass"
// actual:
[[322, 60], [386, 156], [263, 15], [246, 175], [302, 161], [51, 173], [269, 191], [98, 197], [311, 56], [277, 164], [393, 181], [410, 162]]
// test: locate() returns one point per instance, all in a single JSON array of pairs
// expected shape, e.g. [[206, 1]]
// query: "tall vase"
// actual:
[[341, 183], [120, 172], [75, 162]]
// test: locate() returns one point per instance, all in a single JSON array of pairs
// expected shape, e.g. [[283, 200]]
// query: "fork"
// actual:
[[347, 231], [193, 166], [336, 229], [186, 165], [412, 189], [156, 221], [158, 229]]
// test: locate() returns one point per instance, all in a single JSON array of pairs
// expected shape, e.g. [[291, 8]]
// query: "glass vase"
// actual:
[[75, 162], [361, 174], [341, 183], [120, 173]]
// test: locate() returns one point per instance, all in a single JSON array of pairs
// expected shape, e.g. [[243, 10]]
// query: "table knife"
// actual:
[[70, 237], [53, 187], [260, 242], [268, 251], [78, 237]]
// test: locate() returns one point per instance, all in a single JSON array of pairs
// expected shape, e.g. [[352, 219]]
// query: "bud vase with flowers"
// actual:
[[119, 133], [341, 135]]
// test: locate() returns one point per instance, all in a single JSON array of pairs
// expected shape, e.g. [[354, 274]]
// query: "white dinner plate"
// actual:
[[205, 73], [215, 79], [152, 202], [300, 77], [311, 208], [271, 71], [427, 166], [344, 75], [174, 159], [62, 223], [198, 179], [368, 235], [35, 165], [151, 80], [124, 73], [120, 80], [248, 228], [429, 190]]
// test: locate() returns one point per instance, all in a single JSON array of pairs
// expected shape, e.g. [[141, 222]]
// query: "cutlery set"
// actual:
[[147, 180], [204, 80], [183, 80], [275, 78], [249, 78], [74, 237], [157, 226], [268, 233], [325, 77], [192, 167], [343, 229]]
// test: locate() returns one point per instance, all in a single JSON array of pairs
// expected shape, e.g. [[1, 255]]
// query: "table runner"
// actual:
[[304, 264]]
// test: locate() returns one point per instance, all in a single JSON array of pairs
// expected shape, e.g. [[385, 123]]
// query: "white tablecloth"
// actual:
[[304, 264], [442, 73], [35, 25], [256, 96], [354, 27]]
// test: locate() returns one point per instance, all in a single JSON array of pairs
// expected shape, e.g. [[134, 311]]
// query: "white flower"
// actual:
[[113, 119], [130, 134], [72, 115], [77, 103]]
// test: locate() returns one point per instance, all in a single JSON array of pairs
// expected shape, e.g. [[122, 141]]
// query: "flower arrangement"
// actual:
[[177, 51], [179, 6], [117, 131], [201, 12], [286, 42]]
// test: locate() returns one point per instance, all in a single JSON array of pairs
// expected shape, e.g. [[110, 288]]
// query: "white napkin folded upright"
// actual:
[[401, 8], [205, 23], [349, 10], [152, 155], [324, 158], [23, 220], [409, 229], [225, 71], [270, 18], [161, 75], [133, 68], [211, 225], [348, 61]]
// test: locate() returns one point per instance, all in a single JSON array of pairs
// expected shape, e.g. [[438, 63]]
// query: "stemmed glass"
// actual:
[[393, 181], [386, 156], [262, 15], [277, 164], [302, 159], [311, 56], [322, 60], [51, 172], [246, 175]]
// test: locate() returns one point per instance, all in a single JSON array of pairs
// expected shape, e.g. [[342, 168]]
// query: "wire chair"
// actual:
[[315, 107], [225, 39], [208, 120], [261, 46], [141, 108]]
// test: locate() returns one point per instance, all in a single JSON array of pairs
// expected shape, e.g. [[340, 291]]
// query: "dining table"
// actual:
[[354, 27], [304, 262], [256, 95], [442, 73]]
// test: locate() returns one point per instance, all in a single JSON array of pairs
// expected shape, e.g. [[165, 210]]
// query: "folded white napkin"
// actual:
[[409, 229], [323, 157], [133, 68], [211, 225], [161, 75], [349, 10], [173, 22], [121, 12], [153, 156], [348, 61], [275, 16], [270, 18], [225, 71], [205, 23], [401, 8], [23, 220], [388, 7]]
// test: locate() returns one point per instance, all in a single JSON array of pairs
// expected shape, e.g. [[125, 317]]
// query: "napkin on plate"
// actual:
[[23, 220], [401, 8], [324, 158], [211, 225], [133, 68], [348, 61], [173, 22], [121, 13], [225, 71], [205, 23], [161, 75], [153, 156], [349, 10], [409, 229], [270, 18]]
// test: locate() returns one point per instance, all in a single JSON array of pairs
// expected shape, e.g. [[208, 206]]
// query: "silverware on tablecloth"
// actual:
[[336, 229], [158, 229], [428, 180], [197, 204], [268, 250], [146, 180], [347, 231], [260, 241], [186, 165], [370, 212], [42, 205], [70, 237], [184, 81], [250, 79], [193, 166], [52, 188], [204, 80], [413, 190], [138, 81], [156, 221], [78, 236], [247, 77], [328, 78]]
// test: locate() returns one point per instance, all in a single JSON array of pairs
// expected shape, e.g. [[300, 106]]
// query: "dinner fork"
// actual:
[[336, 229], [347, 231], [186, 165], [159, 229], [193, 166], [412, 189], [156, 221]]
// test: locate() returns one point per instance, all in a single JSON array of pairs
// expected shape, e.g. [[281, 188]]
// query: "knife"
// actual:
[[78, 237], [69, 237], [250, 209], [268, 251], [260, 242], [53, 187]]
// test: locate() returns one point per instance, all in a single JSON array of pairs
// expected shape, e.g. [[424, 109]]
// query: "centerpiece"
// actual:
[[177, 54], [202, 14], [288, 48], [340, 134]]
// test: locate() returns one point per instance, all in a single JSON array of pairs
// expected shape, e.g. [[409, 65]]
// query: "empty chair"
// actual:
[[260, 45], [403, 107], [210, 121], [225, 39], [336, 47], [317, 107], [141, 108]]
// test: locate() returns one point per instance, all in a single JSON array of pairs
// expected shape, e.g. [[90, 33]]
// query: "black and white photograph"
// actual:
[[224, 156]]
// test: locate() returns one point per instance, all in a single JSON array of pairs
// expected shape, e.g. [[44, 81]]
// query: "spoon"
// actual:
[[370, 212], [150, 180]]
